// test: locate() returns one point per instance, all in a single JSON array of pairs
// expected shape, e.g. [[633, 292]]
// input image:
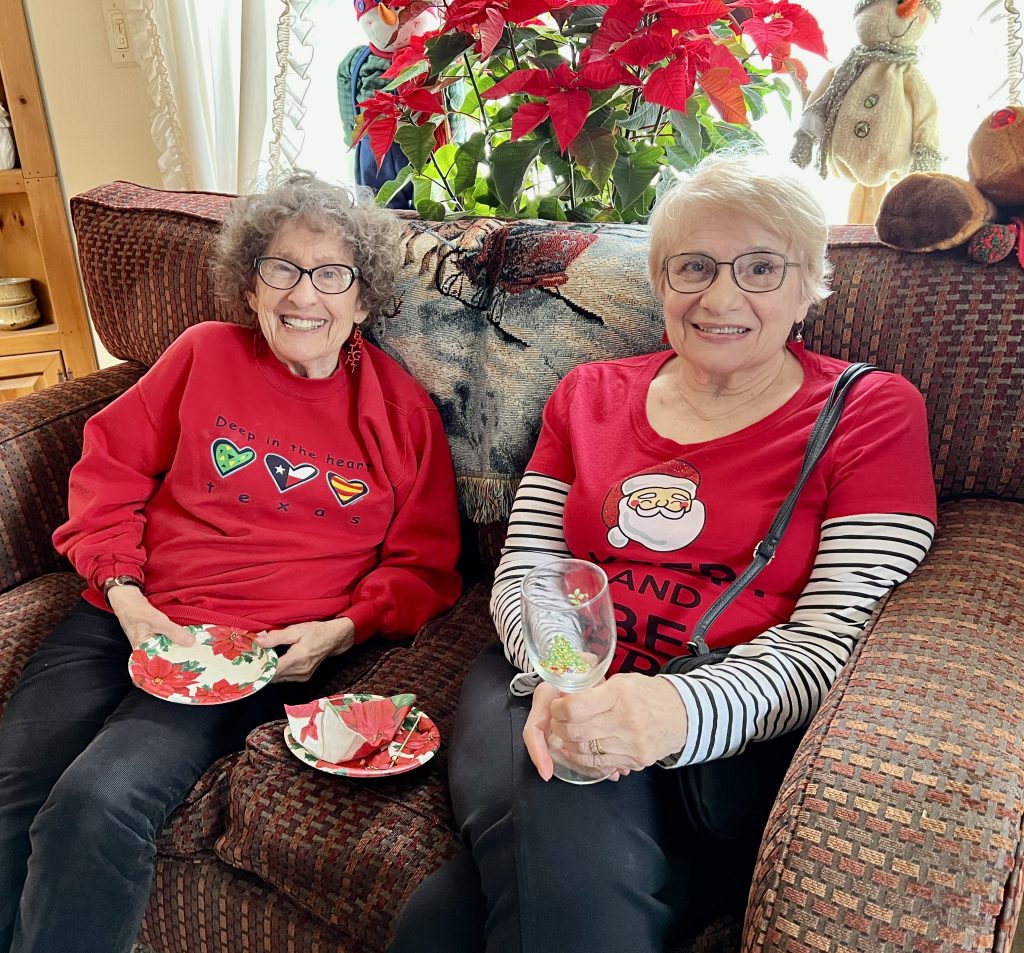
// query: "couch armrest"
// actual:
[[40, 441], [898, 826]]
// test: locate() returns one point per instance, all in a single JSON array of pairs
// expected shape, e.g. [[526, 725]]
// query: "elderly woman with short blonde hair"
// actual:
[[667, 469]]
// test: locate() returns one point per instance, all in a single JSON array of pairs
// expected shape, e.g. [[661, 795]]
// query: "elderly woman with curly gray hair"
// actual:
[[282, 477]]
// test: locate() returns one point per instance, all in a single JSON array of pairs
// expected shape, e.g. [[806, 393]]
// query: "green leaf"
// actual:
[[509, 164], [680, 158], [431, 210], [646, 115], [422, 190], [595, 154], [733, 133], [388, 189], [633, 174], [550, 208], [687, 133], [584, 212], [410, 72], [466, 161], [445, 49], [755, 102], [417, 143]]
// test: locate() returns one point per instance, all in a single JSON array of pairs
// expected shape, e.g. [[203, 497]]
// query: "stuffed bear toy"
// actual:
[[928, 211], [874, 119]]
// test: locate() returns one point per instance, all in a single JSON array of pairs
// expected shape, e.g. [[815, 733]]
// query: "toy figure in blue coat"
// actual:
[[388, 28]]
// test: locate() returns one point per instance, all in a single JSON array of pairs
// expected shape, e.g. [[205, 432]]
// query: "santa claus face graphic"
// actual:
[[660, 510]]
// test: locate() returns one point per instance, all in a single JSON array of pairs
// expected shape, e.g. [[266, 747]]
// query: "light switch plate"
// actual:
[[115, 19]]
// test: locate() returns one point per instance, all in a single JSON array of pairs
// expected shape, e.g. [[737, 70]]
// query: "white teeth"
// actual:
[[302, 324], [721, 330]]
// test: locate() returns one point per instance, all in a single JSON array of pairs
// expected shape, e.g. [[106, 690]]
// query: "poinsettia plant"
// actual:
[[563, 110]]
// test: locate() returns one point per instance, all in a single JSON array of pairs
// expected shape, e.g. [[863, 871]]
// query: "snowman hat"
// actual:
[[935, 6]]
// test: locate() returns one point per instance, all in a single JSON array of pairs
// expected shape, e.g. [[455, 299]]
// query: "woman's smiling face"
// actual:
[[306, 328], [723, 330]]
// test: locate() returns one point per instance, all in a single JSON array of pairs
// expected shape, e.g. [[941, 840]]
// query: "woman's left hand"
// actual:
[[635, 719], [310, 643]]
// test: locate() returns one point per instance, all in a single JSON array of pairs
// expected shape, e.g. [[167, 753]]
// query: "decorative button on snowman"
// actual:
[[874, 119]]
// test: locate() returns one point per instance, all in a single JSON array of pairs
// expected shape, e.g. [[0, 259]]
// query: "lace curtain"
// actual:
[[228, 82]]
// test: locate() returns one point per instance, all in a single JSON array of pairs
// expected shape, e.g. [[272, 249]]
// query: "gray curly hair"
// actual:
[[371, 233]]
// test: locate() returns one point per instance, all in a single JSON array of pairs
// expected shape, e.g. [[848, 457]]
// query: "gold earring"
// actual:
[[355, 349]]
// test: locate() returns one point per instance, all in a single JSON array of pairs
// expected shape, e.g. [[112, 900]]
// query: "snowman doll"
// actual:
[[874, 119], [388, 29]]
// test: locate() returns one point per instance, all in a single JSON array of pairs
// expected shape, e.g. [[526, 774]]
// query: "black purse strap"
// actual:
[[764, 551]]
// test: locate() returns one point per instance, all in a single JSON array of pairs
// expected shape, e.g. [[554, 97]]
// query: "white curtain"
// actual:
[[228, 79]]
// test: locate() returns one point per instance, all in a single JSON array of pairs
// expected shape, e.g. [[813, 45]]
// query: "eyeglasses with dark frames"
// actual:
[[284, 275], [756, 271]]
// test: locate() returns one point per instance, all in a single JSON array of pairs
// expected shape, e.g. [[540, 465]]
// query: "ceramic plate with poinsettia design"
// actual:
[[225, 664], [414, 743]]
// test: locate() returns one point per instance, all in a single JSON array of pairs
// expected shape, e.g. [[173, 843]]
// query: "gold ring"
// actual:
[[595, 747]]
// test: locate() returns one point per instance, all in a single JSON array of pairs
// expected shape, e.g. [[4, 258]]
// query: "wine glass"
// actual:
[[569, 631]]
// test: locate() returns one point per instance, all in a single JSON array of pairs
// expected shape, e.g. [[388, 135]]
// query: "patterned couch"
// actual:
[[899, 824]]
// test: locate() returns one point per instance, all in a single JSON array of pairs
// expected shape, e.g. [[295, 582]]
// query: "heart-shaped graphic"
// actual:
[[286, 475], [228, 458], [347, 491]]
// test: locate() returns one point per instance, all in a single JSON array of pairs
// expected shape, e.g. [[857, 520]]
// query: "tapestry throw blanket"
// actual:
[[491, 315]]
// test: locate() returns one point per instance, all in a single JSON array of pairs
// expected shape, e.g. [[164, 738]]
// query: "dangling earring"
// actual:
[[355, 349], [798, 331]]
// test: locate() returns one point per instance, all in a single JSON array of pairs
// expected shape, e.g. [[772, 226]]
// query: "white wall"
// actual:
[[98, 111]]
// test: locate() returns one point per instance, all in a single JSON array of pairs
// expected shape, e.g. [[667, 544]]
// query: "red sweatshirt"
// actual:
[[244, 495]]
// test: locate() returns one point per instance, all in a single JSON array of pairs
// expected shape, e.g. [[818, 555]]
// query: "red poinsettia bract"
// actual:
[[221, 691], [376, 720], [566, 100], [415, 52], [379, 115], [229, 641], [485, 20], [159, 677]]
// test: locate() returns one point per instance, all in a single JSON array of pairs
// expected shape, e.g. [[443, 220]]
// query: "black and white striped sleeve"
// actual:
[[776, 682], [535, 536]]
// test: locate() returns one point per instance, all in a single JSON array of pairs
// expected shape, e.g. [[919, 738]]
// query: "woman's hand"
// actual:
[[540, 742], [536, 730], [635, 719], [140, 619], [310, 643]]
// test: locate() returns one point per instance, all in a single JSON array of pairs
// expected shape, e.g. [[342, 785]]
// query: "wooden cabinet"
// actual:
[[35, 235]]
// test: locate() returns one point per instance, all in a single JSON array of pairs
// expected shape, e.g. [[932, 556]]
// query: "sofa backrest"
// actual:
[[489, 315]]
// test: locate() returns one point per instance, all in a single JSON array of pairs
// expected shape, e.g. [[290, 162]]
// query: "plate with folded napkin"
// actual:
[[223, 665], [361, 735]]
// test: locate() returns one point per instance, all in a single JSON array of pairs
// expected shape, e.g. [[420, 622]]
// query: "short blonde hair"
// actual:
[[372, 235], [776, 196]]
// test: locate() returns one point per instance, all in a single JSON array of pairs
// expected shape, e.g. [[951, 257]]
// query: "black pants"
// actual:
[[615, 866], [90, 769]]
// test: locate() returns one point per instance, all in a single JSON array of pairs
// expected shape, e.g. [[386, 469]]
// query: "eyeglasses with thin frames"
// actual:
[[756, 271], [283, 275]]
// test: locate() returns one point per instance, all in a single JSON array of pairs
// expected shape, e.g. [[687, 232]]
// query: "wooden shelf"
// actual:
[[11, 182], [35, 234], [44, 336]]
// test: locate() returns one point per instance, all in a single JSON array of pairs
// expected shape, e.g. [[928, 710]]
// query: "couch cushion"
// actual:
[[145, 261], [27, 615], [351, 851], [200, 819], [40, 441], [206, 907], [899, 823]]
